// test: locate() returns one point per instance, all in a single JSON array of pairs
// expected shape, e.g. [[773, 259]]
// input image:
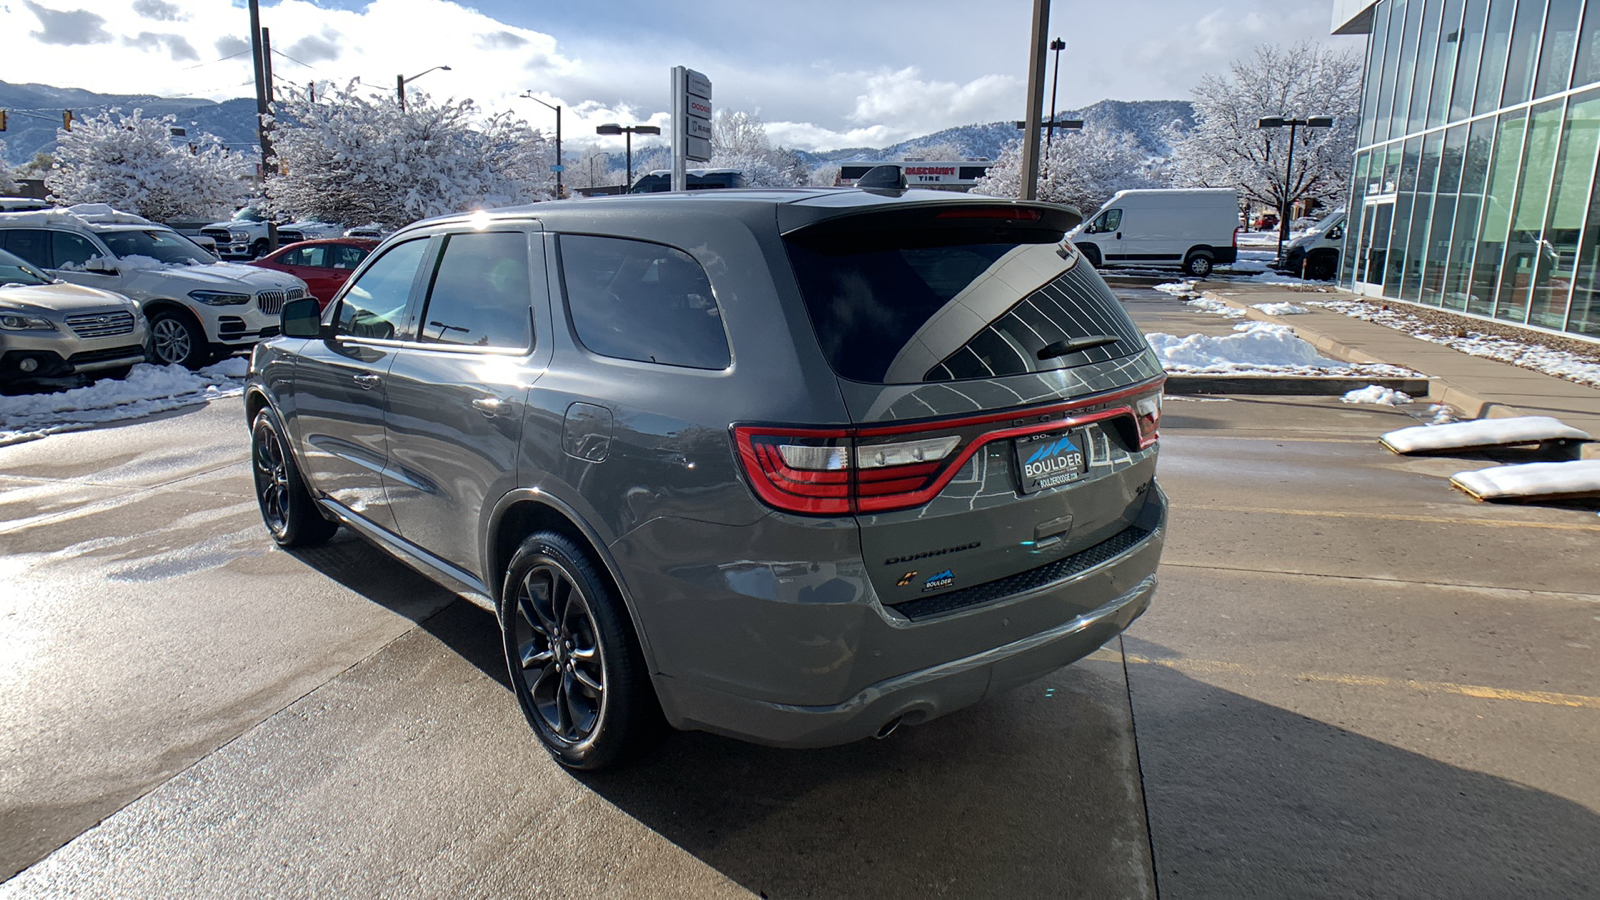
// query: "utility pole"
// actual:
[[1030, 142], [400, 90], [257, 46], [1057, 46]]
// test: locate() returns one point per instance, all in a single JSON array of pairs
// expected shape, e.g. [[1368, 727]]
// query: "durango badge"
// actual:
[[942, 580]]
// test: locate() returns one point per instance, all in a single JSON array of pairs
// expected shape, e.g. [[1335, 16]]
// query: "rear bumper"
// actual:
[[911, 698], [818, 667]]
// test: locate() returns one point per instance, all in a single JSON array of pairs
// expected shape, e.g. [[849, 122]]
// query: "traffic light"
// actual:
[[66, 119]]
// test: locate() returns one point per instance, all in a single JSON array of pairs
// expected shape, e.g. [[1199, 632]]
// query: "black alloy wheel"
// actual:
[[291, 516], [575, 667]]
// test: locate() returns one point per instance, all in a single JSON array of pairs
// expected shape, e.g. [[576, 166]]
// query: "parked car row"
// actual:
[[190, 308]]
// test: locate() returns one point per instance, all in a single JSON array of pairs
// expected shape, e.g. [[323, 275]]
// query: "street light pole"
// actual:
[[629, 131], [559, 166], [1057, 45], [1294, 124], [400, 82]]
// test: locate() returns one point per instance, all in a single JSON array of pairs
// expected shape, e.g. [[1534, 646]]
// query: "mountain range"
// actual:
[[34, 114]]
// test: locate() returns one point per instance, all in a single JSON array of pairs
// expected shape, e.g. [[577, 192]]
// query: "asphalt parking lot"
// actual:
[[1353, 682]]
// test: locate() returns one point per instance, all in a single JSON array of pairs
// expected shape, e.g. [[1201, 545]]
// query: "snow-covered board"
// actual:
[[1542, 481], [1481, 433]]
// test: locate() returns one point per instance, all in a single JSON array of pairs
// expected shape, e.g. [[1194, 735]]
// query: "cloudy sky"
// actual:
[[822, 74]]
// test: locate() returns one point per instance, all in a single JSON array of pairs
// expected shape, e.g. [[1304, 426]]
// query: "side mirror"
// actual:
[[100, 266], [1335, 234], [302, 318]]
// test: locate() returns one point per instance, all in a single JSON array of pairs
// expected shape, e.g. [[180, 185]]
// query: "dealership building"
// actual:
[[1474, 187]]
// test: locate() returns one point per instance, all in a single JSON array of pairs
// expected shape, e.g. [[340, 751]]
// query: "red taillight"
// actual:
[[888, 467], [1236, 230]]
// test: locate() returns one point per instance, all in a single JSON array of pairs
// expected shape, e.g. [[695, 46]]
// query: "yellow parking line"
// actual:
[[1547, 698], [1401, 517]]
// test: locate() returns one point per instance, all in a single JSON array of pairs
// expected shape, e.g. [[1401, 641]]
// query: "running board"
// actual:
[[1532, 481], [1481, 434]]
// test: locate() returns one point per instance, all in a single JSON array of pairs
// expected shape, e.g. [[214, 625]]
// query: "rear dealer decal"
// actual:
[[942, 580]]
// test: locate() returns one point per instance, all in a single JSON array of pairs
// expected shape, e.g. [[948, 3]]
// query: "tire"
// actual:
[[258, 249], [1198, 264], [1323, 265], [1092, 254], [176, 338], [291, 516], [574, 662]]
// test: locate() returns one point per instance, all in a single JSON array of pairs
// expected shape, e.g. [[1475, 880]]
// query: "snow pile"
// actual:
[[1255, 346], [1177, 288], [1481, 433], [147, 390], [1275, 278], [1206, 304], [1378, 395], [1518, 353], [1443, 414], [1580, 478], [1280, 309]]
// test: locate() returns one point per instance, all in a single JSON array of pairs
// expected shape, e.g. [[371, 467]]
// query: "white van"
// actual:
[[1192, 228], [1315, 254]]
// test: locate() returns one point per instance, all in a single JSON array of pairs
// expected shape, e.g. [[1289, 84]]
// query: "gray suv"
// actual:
[[792, 466]]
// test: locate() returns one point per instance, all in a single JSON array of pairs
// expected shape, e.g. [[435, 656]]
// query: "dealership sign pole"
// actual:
[[691, 123]]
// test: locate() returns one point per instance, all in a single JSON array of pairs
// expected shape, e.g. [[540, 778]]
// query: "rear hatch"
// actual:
[[1004, 405]]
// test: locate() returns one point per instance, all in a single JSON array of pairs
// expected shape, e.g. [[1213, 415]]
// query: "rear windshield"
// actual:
[[910, 306]]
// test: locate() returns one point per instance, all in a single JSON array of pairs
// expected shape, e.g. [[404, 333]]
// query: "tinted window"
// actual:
[[345, 256], [32, 244], [480, 295], [376, 303], [72, 249], [638, 300], [315, 255], [903, 307], [161, 245]]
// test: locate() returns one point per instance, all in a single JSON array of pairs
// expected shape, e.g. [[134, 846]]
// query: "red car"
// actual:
[[324, 265]]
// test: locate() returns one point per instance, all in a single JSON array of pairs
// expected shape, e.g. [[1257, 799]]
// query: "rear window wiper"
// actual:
[[1074, 345]]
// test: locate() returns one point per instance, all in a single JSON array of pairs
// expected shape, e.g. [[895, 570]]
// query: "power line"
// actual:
[[214, 61]]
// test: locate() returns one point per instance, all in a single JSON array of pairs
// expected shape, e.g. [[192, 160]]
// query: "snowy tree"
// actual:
[[1081, 169], [130, 162], [824, 176], [593, 170], [343, 157], [1227, 149], [8, 184], [739, 141], [936, 152]]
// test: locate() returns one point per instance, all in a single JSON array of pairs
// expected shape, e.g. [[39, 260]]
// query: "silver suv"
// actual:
[[50, 329], [199, 309], [793, 466]]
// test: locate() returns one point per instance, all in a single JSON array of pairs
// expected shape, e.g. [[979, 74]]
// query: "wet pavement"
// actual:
[[1354, 681]]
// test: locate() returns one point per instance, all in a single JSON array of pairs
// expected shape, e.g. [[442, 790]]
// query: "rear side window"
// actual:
[[375, 305], [480, 293], [32, 244], [345, 256], [638, 300], [905, 305]]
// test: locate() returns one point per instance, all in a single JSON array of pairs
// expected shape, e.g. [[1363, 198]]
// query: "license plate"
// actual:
[[1052, 460]]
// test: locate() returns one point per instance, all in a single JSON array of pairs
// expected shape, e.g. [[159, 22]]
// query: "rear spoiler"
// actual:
[[923, 209]]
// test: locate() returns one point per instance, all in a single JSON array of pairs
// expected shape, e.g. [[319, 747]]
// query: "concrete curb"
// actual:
[[1471, 404]]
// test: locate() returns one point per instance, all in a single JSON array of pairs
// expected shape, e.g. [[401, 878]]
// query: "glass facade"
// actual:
[[1474, 182]]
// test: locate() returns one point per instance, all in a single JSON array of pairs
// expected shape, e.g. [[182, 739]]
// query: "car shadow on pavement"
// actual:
[[1250, 800]]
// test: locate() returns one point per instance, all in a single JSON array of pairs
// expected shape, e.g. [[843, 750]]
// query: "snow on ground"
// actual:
[[1177, 288], [1518, 353], [1206, 304], [1378, 395], [1481, 433], [147, 390], [1255, 348], [1578, 477], [1280, 309]]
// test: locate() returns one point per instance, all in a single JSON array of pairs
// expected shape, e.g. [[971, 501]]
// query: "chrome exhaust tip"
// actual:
[[888, 728]]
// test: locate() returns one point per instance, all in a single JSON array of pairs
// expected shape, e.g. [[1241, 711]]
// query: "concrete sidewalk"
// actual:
[[1477, 387]]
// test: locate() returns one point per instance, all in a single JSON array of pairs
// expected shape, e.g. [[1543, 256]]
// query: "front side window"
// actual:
[[480, 294], [375, 305], [1106, 222], [642, 301], [313, 256], [72, 250]]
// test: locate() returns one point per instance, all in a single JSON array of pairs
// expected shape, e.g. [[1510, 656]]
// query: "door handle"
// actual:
[[489, 406], [1119, 235], [367, 382]]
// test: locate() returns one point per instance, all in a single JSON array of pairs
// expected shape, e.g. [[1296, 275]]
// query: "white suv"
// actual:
[[199, 309]]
